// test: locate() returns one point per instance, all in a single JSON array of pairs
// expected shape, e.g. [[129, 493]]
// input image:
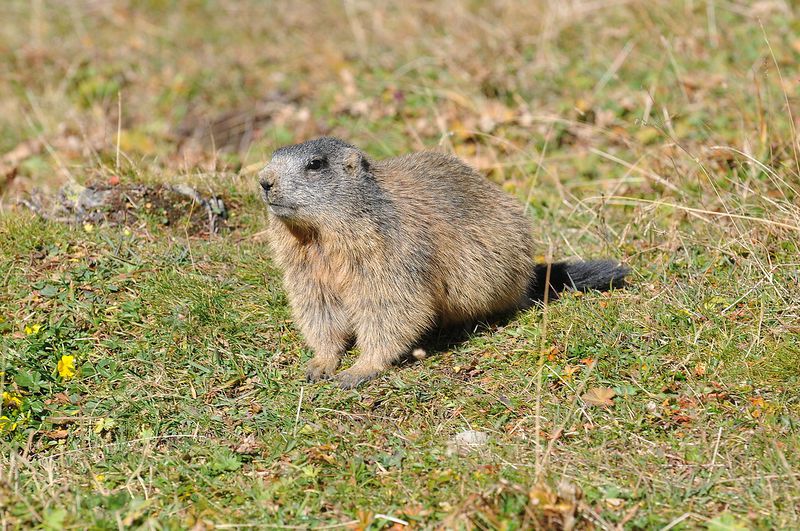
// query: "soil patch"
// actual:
[[133, 205]]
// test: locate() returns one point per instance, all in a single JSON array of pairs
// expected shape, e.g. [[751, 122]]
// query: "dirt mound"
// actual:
[[133, 205]]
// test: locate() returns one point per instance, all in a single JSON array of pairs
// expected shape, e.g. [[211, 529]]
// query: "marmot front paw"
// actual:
[[355, 376], [321, 369]]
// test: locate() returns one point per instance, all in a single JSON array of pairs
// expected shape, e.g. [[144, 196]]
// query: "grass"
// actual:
[[660, 133]]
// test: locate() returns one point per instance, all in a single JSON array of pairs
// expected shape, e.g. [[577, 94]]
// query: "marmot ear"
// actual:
[[355, 162]]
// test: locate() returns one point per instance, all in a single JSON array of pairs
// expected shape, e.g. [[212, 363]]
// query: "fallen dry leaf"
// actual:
[[757, 401], [599, 396], [324, 453], [248, 446], [57, 434], [555, 509], [59, 398], [614, 503]]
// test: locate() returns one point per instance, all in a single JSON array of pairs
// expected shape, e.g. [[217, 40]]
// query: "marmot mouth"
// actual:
[[281, 210]]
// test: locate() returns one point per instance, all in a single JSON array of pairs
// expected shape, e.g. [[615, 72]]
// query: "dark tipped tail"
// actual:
[[579, 276]]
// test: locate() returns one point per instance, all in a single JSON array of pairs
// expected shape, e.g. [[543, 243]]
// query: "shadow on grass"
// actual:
[[445, 338]]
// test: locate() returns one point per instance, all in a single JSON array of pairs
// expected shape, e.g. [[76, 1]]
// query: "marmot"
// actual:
[[381, 251]]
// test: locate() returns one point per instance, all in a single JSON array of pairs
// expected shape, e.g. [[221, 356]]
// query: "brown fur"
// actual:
[[435, 243]]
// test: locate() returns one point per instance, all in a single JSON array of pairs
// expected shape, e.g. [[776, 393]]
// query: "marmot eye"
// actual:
[[315, 164]]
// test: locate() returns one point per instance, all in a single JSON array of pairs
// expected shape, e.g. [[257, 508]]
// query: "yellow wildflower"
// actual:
[[11, 400], [88, 227], [66, 367], [104, 424], [6, 424], [32, 329]]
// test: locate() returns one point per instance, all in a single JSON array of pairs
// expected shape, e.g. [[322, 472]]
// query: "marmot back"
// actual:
[[481, 240], [384, 250]]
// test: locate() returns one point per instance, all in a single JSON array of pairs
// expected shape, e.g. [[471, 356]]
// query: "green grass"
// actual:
[[188, 406]]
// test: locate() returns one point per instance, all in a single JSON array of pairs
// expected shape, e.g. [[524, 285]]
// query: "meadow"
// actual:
[[152, 377]]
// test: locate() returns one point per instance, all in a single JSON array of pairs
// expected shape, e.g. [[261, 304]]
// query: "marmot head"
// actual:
[[315, 182]]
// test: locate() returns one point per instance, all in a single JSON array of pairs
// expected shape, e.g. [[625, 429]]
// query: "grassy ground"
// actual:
[[660, 133]]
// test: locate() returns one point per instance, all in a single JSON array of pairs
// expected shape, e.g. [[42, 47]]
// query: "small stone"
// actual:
[[467, 441]]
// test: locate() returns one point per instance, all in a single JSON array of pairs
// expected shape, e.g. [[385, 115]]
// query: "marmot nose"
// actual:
[[265, 186]]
